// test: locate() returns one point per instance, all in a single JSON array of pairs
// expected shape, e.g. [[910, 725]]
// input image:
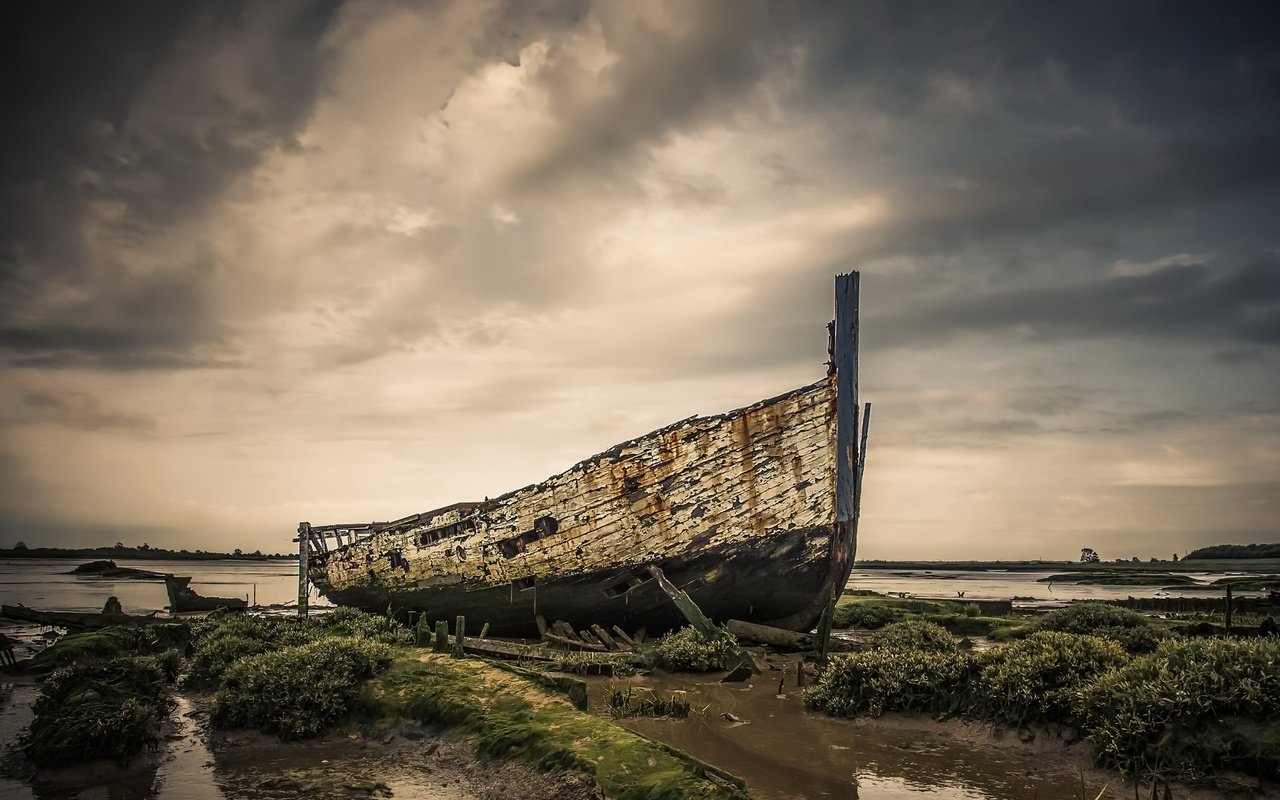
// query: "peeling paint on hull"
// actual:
[[735, 508]]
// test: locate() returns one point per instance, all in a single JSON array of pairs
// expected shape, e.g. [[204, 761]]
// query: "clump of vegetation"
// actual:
[[1192, 707], [1036, 679], [220, 640], [687, 650], [915, 634], [297, 692], [644, 702], [588, 663], [112, 642], [865, 616], [891, 679], [98, 708], [1136, 632]]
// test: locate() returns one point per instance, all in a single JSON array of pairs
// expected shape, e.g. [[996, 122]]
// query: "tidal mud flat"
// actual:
[[424, 723]]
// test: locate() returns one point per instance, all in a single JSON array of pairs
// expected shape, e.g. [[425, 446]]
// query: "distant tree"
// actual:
[[144, 546], [1089, 556], [1134, 559], [236, 552], [1175, 556], [119, 545], [20, 546], [258, 553]]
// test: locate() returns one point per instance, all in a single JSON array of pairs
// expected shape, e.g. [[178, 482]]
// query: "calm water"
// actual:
[[45, 584], [782, 750]]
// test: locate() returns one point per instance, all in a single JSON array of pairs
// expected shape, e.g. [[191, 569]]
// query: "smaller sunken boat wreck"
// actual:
[[753, 513], [182, 598]]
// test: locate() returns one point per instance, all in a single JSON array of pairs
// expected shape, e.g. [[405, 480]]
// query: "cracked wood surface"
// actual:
[[704, 484]]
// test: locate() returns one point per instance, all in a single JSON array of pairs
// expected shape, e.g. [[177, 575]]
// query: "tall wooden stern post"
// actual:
[[847, 433], [304, 551]]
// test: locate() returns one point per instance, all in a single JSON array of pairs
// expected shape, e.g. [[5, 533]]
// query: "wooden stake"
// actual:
[[458, 634], [304, 582], [442, 636]]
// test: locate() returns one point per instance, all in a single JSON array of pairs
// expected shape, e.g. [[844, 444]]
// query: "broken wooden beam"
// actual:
[[575, 643], [765, 634], [621, 634], [700, 622], [605, 638]]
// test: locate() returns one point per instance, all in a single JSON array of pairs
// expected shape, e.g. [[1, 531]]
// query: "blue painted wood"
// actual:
[[846, 362]]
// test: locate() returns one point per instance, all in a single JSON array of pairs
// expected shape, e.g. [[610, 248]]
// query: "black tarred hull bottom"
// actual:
[[782, 579]]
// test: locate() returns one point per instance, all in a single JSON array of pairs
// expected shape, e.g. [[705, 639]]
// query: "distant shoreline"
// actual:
[[150, 554]]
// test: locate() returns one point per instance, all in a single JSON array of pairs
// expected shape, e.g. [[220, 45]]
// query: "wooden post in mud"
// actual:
[[304, 550], [458, 634], [442, 636], [1228, 606]]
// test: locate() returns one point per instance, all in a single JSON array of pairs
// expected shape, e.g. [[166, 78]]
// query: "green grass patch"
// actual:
[[1189, 709], [220, 640], [1036, 679], [1254, 583], [687, 650], [1119, 578], [98, 708], [511, 718], [300, 691], [1136, 632], [915, 634], [113, 642]]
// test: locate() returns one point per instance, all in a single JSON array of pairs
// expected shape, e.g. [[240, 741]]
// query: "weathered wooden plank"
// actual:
[[576, 644], [621, 634], [686, 605], [766, 634], [605, 638]]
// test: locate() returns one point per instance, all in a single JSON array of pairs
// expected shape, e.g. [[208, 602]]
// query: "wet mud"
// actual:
[[785, 752]]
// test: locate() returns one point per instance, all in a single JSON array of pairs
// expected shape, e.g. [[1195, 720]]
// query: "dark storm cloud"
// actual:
[[1060, 190], [118, 106], [1189, 301], [668, 76]]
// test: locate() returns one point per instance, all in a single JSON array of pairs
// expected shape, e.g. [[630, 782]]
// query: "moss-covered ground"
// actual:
[[512, 718]]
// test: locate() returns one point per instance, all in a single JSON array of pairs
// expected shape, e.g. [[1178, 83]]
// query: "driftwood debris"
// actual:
[[75, 620], [621, 634], [774, 637], [574, 643], [685, 603]]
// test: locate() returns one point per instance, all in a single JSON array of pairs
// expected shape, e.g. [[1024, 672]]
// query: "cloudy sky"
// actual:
[[272, 261]]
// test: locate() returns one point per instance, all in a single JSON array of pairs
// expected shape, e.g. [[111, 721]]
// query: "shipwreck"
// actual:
[[753, 513]]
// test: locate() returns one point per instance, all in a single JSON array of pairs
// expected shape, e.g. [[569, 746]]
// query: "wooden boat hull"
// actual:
[[752, 512], [735, 509]]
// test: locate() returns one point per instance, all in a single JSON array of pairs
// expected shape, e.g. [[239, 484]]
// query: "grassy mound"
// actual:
[[297, 692], [686, 650], [100, 708], [915, 634], [1135, 632], [112, 642], [1188, 709], [895, 679], [220, 640], [1036, 679], [511, 718]]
